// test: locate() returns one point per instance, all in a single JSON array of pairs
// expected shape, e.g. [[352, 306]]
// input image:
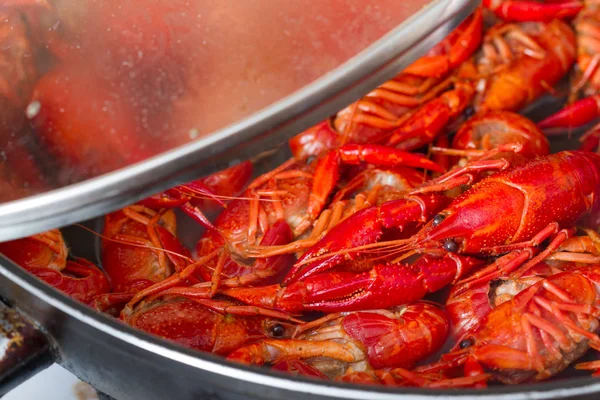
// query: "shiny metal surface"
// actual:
[[262, 130], [24, 350]]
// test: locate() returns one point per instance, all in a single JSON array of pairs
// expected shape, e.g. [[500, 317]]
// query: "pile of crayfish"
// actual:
[[422, 236]]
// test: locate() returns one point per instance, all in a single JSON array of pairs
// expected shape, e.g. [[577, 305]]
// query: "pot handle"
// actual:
[[24, 349]]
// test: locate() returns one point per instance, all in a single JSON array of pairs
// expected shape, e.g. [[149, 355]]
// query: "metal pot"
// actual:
[[129, 364]]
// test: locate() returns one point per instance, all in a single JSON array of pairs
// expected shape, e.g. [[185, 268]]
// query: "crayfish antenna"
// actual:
[[316, 263], [380, 248], [451, 360], [133, 244], [476, 378], [465, 381]]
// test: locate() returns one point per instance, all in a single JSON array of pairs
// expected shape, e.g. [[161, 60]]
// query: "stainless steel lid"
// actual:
[[106, 102]]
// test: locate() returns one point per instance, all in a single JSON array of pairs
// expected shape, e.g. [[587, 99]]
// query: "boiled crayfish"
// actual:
[[45, 256]]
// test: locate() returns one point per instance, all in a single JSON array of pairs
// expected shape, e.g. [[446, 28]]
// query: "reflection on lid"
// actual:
[[87, 87]]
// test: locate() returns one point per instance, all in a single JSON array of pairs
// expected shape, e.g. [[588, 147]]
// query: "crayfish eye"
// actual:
[[438, 219], [310, 159], [277, 330], [469, 112], [466, 343], [450, 246]]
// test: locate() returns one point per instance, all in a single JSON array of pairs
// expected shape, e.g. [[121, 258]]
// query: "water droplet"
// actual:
[[33, 109], [193, 133]]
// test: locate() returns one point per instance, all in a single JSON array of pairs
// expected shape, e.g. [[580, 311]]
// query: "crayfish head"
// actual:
[[466, 343], [487, 215], [445, 232], [478, 357], [44, 250], [278, 329]]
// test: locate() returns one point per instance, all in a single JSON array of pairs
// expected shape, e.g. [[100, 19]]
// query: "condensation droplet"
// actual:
[[193, 133], [33, 109]]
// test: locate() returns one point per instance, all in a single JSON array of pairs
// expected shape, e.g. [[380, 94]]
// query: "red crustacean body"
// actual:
[[294, 193], [241, 271], [537, 333], [586, 83], [263, 215], [493, 129], [358, 341], [274, 254], [371, 186], [494, 135], [404, 214], [225, 184], [484, 136], [45, 256], [213, 326], [540, 55], [264, 212], [204, 195], [376, 186], [518, 63], [532, 197], [587, 25], [259, 207], [532, 10], [130, 266], [46, 250], [139, 248], [207, 194], [430, 120], [381, 286], [371, 119], [80, 279], [467, 306]]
